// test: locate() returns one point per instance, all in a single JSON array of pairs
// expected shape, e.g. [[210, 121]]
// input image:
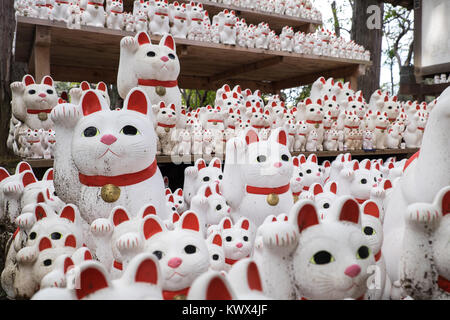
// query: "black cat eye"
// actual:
[[363, 252], [90, 132], [151, 54], [171, 56], [158, 254], [129, 130], [322, 257], [190, 249], [31, 91]]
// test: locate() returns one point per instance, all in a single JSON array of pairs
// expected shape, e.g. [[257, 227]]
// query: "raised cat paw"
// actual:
[[27, 254], [378, 192], [75, 94], [26, 220], [13, 189], [17, 87], [129, 43], [346, 173], [65, 114], [422, 212], [128, 241], [296, 185], [191, 171], [307, 195], [101, 227], [278, 232]]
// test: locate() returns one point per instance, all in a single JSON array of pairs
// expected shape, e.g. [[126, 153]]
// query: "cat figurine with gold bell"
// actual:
[[257, 175], [153, 68], [106, 158]]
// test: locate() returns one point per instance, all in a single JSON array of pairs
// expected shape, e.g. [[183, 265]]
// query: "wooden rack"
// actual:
[[92, 54]]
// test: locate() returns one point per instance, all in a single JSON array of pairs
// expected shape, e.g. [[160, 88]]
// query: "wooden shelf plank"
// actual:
[[423, 89], [164, 159], [92, 54]]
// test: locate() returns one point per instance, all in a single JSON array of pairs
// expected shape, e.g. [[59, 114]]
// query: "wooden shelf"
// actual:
[[42, 163], [92, 54], [417, 89]]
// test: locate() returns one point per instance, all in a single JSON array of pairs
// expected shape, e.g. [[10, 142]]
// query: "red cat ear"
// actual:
[[368, 165], [317, 189], [217, 240], [3, 174], [168, 41], [226, 88], [171, 199], [85, 86], [355, 166], [143, 38], [68, 212], [119, 216], [314, 158], [28, 79], [28, 178], [201, 164], [226, 223], [217, 289], [147, 272], [175, 217], [251, 137], [45, 244], [22, 166], [371, 208], [302, 158], [68, 262], [282, 137], [217, 164], [40, 198], [179, 192], [151, 226], [137, 101], [92, 279], [444, 201], [333, 187], [306, 216], [326, 164], [71, 241], [101, 86], [208, 192], [349, 211], [150, 209], [245, 224], [295, 161], [190, 221], [308, 101], [387, 184], [253, 277], [47, 80], [49, 174], [40, 213], [90, 103], [168, 191]]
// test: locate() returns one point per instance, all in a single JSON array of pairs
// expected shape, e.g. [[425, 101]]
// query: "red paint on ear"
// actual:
[[308, 101], [68, 212], [85, 86], [302, 159], [120, 216], [327, 164], [387, 184], [50, 175], [245, 224], [24, 166], [147, 272], [446, 204], [201, 165], [217, 189], [368, 165], [355, 166], [386, 99], [217, 240], [307, 217], [68, 263], [143, 38], [314, 158], [350, 211], [71, 241], [149, 210], [137, 102], [91, 280], [169, 42], [3, 174], [44, 244], [190, 221], [87, 255], [39, 213], [171, 199], [151, 227], [333, 187], [28, 178], [101, 86], [227, 224], [90, 103], [40, 198], [208, 192], [372, 209], [251, 137], [168, 191], [28, 79], [217, 164], [180, 192], [48, 81], [217, 290], [282, 138], [296, 161], [175, 217], [317, 189], [253, 278]]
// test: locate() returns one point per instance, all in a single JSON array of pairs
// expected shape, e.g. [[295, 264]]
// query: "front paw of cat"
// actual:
[[377, 192], [13, 189], [17, 87], [346, 173], [296, 185], [75, 94], [101, 227], [26, 220], [308, 195], [422, 213], [27, 254], [65, 114], [128, 242], [191, 171], [129, 43]]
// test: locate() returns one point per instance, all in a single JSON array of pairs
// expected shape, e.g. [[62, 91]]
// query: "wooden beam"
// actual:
[[247, 68], [310, 78], [41, 52]]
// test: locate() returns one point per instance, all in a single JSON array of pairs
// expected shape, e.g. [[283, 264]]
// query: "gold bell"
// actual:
[[180, 297], [215, 123], [166, 129], [273, 199], [317, 125], [110, 193], [295, 199], [42, 116], [160, 91]]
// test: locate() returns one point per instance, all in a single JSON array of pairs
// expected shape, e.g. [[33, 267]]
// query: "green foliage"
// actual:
[[197, 98]]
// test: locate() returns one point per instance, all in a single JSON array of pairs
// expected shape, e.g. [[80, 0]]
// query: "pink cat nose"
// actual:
[[277, 164], [239, 245], [379, 179], [298, 179], [42, 95], [174, 262], [353, 271], [108, 139], [318, 174], [229, 210], [165, 59], [375, 185]]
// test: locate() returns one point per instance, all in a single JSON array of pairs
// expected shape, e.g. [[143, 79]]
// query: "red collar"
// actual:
[[214, 120], [36, 111], [118, 265], [350, 127], [62, 2], [196, 19], [34, 141], [443, 284], [392, 119], [381, 128], [289, 37], [305, 188], [161, 14], [334, 118], [144, 20], [296, 193], [360, 201], [302, 134], [313, 122], [292, 134], [266, 191], [170, 295], [156, 83], [258, 127], [166, 125], [120, 180], [232, 127], [265, 33], [179, 18], [232, 261], [95, 4], [116, 11], [327, 128], [420, 128], [229, 25], [378, 256]]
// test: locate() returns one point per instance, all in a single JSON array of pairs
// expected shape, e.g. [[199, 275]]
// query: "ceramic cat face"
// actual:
[[332, 256], [165, 114], [211, 203], [268, 159], [39, 96], [216, 253], [308, 170], [182, 252], [314, 110], [237, 239], [324, 197], [104, 140], [100, 88], [156, 61], [372, 226], [253, 97]]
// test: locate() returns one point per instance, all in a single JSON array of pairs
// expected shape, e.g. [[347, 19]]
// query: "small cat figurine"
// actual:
[[158, 15], [115, 17], [101, 163], [165, 121], [94, 15], [216, 253], [178, 19], [182, 252]]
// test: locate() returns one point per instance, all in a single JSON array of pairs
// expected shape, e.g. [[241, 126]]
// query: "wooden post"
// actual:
[[40, 58], [353, 78]]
